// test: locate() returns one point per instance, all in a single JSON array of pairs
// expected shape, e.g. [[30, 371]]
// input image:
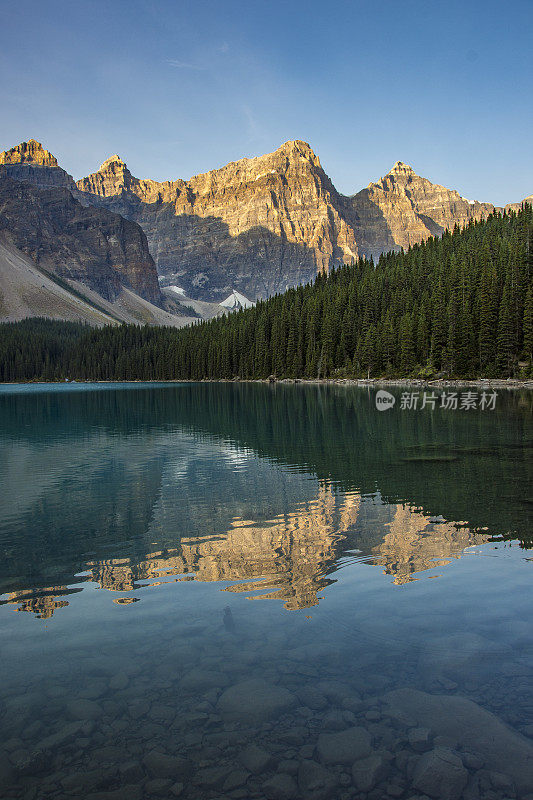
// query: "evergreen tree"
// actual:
[[407, 349], [487, 320], [505, 331], [528, 327]]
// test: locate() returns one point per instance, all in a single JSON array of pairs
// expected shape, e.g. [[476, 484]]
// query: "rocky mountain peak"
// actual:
[[114, 163], [31, 163], [298, 148], [403, 209], [112, 178], [401, 169], [31, 152]]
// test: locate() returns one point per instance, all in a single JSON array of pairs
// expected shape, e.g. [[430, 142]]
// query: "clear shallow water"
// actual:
[[186, 570]]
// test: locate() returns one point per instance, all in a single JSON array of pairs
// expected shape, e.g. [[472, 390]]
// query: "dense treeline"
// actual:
[[461, 305], [37, 348]]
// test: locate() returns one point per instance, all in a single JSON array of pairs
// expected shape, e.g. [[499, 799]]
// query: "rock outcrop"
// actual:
[[91, 245], [403, 209], [30, 162], [31, 152], [518, 206], [114, 178], [27, 290], [257, 225]]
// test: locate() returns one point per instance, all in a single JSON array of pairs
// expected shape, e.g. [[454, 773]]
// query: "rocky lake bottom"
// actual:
[[197, 711]]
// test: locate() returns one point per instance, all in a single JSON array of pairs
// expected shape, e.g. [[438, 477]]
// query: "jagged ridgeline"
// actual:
[[461, 305]]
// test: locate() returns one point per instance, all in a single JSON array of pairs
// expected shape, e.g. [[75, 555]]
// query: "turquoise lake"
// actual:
[[264, 591]]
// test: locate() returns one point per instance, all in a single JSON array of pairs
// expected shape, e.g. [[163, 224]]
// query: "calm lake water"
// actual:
[[254, 591]]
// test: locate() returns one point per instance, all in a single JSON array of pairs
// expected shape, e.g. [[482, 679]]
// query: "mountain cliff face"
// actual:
[[91, 245], [257, 225], [403, 209]]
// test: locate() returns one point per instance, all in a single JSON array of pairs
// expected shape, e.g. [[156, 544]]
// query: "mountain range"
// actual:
[[250, 229]]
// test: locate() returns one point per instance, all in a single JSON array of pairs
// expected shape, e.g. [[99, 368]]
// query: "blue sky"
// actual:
[[178, 88]]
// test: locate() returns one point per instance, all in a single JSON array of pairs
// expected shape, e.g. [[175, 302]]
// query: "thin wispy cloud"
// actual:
[[182, 64], [254, 129]]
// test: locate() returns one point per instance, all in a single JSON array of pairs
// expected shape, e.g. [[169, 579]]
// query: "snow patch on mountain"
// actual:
[[235, 301]]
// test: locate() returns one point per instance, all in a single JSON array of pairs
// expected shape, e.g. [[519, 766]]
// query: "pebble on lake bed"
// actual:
[[344, 747]]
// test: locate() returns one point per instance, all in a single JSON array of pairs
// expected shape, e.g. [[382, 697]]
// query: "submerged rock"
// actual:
[[472, 727], [202, 680], [315, 781], [369, 771], [312, 698], [29, 762], [336, 691], [236, 778], [127, 792], [440, 774], [119, 681], [56, 739], [7, 772], [280, 787], [158, 786], [212, 777], [161, 765], [456, 653], [255, 700], [255, 759], [81, 783], [344, 747], [420, 739], [131, 772]]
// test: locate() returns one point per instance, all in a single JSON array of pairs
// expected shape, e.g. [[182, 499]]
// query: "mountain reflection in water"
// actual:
[[289, 558], [267, 491]]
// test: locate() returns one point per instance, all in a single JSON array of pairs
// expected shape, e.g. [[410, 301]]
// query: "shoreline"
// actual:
[[481, 383], [487, 383]]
